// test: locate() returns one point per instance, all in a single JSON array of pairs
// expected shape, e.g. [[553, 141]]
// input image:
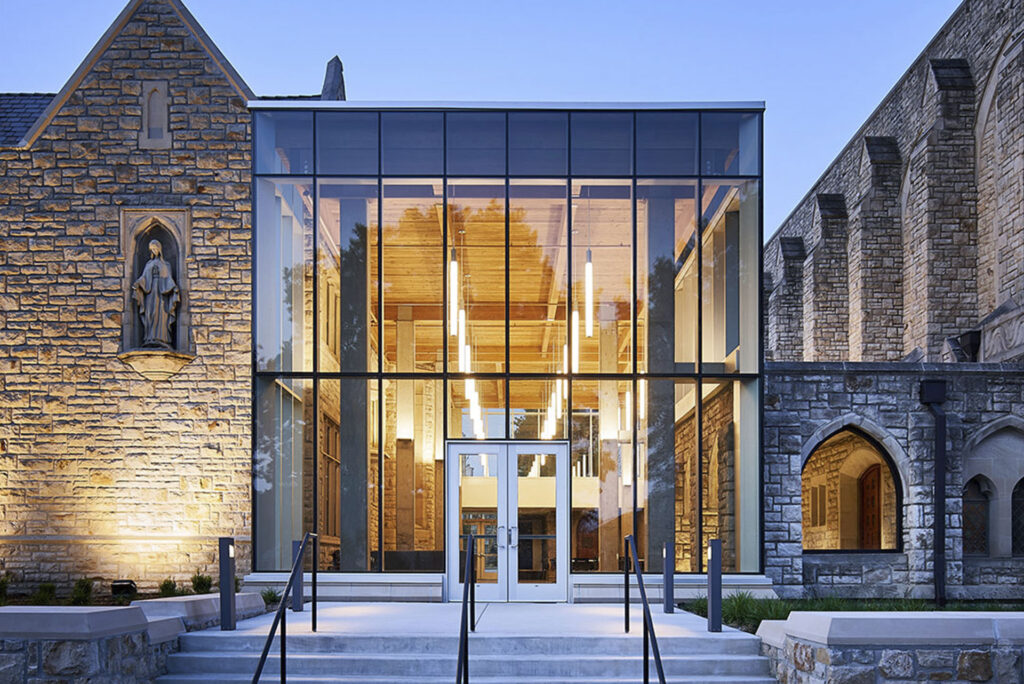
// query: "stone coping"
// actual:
[[869, 629], [199, 608], [70, 623], [963, 368]]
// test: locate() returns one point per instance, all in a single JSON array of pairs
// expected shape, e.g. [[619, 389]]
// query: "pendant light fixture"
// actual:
[[588, 281], [575, 341], [453, 294]]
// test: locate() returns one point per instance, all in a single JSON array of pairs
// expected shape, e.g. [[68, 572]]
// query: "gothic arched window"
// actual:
[[1017, 515], [976, 495]]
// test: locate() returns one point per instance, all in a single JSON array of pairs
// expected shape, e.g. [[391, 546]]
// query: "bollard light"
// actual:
[[715, 585], [227, 583], [668, 565]]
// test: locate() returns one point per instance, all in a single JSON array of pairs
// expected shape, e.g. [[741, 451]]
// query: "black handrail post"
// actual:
[[298, 547], [647, 656], [316, 561], [625, 579], [648, 619], [284, 638]]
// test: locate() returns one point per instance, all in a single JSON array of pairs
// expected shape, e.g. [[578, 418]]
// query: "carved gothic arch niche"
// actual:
[[171, 228]]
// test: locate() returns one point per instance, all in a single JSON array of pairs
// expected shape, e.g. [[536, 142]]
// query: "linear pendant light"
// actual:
[[575, 341], [588, 293], [453, 295]]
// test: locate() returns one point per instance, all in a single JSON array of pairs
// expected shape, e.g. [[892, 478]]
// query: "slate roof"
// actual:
[[18, 111]]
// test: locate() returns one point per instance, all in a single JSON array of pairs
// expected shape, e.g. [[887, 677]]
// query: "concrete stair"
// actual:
[[732, 657]]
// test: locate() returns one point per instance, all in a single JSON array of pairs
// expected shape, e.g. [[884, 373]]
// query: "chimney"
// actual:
[[334, 81]]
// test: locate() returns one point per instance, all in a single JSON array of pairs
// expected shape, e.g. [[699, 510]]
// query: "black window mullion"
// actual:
[[316, 346], [380, 347]]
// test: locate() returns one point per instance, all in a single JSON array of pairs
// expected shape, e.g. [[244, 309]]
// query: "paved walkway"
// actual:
[[495, 619]]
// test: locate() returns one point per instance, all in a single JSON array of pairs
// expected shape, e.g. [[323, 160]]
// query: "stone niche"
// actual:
[[140, 227]]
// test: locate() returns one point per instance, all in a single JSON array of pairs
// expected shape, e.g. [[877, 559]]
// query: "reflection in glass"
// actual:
[[730, 143], [601, 460], [282, 468], [729, 472], [667, 272], [666, 143], [348, 327], [412, 143], [347, 474], [413, 476], [538, 276], [412, 276], [476, 273], [536, 523], [346, 143], [602, 291], [602, 143], [667, 460], [284, 142], [538, 143], [476, 409], [729, 276], [284, 289], [476, 143], [478, 513], [538, 408]]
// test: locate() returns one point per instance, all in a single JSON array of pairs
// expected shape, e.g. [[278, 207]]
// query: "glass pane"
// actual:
[[539, 408], [602, 143], [478, 513], [413, 278], [666, 143], [347, 273], [476, 143], [284, 275], [537, 532], [730, 143], [538, 276], [729, 296], [476, 409], [346, 142], [412, 143], [347, 474], [476, 276], [413, 476], [284, 142], [730, 488], [283, 469], [602, 274], [666, 216], [667, 479], [602, 473], [538, 143]]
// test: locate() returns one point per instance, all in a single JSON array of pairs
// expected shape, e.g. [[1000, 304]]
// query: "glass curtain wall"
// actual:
[[584, 276]]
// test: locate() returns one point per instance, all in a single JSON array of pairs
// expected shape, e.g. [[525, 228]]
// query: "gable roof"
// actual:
[[18, 111], [104, 42]]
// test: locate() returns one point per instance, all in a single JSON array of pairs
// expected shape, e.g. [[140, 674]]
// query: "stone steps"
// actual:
[[729, 658]]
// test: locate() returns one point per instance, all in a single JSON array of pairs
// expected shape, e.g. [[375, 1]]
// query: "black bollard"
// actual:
[[297, 586], [668, 555], [715, 585], [227, 584]]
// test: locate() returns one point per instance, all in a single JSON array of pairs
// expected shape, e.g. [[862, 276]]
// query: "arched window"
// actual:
[[851, 496], [1017, 515], [977, 496]]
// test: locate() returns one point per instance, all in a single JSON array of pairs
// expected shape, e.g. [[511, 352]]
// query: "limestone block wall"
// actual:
[[933, 185], [108, 474], [806, 403]]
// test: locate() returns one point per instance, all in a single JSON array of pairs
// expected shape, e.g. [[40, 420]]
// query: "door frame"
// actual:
[[507, 589]]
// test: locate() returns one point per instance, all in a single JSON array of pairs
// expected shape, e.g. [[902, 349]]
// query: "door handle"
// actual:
[[513, 537], [500, 535]]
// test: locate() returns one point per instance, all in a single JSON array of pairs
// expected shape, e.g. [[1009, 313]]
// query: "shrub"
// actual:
[[238, 584], [5, 581], [168, 588], [270, 596], [201, 584], [45, 595], [81, 594]]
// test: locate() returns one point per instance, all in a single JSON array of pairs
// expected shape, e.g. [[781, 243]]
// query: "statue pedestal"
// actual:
[[156, 364]]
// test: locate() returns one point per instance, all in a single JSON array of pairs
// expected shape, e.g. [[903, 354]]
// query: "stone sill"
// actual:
[[827, 367]]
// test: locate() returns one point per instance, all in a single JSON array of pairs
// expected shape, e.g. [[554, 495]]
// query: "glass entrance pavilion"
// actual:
[[536, 323]]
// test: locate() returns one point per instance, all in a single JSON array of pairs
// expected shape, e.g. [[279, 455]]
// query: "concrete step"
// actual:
[[726, 643], [396, 665], [323, 679]]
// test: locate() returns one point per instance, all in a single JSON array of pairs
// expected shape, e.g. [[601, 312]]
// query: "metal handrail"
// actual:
[[279, 616], [468, 611], [629, 545]]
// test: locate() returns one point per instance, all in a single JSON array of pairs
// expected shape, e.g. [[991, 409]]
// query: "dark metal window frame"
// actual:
[[697, 376]]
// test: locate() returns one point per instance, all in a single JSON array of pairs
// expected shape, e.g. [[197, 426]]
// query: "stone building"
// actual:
[[904, 263]]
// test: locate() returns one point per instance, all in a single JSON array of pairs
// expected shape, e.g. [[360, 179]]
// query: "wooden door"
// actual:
[[870, 508]]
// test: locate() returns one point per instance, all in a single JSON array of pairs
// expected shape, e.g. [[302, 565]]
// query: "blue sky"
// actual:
[[821, 67]]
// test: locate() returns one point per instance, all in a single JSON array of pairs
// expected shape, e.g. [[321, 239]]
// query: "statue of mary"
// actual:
[[157, 297]]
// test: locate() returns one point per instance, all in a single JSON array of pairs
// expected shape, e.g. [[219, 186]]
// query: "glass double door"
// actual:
[[514, 498]]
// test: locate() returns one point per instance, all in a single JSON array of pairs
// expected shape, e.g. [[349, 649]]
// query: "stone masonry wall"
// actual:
[[806, 403], [933, 182], [109, 474]]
